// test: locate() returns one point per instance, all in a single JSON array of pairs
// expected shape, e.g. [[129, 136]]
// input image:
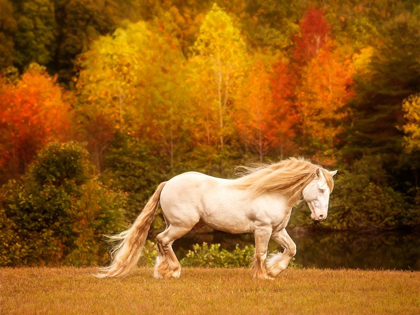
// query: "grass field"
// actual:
[[209, 291]]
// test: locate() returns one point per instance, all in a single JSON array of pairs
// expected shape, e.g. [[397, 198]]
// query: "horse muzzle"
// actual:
[[316, 213], [320, 217]]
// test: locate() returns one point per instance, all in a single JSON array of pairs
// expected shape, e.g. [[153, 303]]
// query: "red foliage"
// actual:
[[32, 113], [283, 83], [255, 120], [265, 116], [325, 89], [314, 33]]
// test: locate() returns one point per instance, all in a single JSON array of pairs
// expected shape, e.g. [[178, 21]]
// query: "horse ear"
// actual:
[[333, 172], [318, 173]]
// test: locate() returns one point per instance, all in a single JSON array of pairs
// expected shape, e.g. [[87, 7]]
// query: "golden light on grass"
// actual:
[[209, 291]]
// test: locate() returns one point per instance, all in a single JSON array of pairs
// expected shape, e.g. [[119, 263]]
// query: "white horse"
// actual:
[[259, 202]]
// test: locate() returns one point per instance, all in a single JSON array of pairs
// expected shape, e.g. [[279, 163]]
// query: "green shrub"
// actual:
[[213, 256], [207, 256], [59, 212]]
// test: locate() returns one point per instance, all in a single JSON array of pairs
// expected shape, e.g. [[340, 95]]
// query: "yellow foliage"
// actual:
[[411, 107]]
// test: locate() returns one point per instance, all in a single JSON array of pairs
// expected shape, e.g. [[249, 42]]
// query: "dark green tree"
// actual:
[[36, 34], [83, 21], [377, 116], [59, 212], [8, 26], [137, 169]]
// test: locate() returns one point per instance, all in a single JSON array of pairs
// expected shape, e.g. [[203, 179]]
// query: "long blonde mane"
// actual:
[[289, 177]]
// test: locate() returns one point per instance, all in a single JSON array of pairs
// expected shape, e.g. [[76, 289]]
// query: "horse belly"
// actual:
[[228, 222], [226, 211]]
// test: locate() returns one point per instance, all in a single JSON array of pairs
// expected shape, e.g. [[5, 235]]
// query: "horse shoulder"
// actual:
[[271, 209]]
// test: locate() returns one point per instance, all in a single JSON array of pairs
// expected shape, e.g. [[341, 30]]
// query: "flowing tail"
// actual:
[[127, 253]]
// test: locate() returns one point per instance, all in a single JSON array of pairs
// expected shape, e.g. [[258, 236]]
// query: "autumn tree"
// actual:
[[218, 62], [283, 83], [253, 110], [33, 111], [167, 100], [258, 119], [131, 82], [110, 73], [314, 33], [411, 108], [320, 78], [325, 89], [186, 16]]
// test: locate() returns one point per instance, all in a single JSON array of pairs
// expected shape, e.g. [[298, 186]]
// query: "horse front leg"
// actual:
[[262, 237], [279, 262]]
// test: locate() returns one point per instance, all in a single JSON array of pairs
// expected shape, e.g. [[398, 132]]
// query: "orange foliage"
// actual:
[[255, 120], [283, 83], [32, 113], [325, 89], [266, 117]]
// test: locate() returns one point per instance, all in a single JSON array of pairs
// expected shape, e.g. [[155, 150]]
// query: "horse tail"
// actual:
[[127, 252]]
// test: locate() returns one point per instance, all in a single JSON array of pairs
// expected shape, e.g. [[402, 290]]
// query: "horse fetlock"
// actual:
[[259, 274], [292, 251], [276, 264], [165, 268]]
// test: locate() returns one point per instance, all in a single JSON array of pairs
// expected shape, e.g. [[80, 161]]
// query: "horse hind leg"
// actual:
[[167, 265]]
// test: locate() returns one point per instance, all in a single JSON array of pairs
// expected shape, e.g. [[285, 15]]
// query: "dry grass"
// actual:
[[209, 291]]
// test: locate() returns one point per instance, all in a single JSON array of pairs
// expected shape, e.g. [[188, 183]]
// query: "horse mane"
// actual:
[[289, 177]]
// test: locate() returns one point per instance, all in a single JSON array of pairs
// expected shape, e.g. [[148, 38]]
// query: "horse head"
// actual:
[[317, 195]]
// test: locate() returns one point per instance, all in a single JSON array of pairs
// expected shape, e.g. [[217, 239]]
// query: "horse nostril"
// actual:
[[321, 216]]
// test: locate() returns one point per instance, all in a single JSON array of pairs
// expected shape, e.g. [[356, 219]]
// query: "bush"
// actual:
[[59, 212], [207, 256], [149, 254], [213, 256]]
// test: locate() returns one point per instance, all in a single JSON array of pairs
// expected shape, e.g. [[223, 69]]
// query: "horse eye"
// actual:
[[321, 191]]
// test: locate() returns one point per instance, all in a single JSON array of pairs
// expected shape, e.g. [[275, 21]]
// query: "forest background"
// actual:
[[100, 101]]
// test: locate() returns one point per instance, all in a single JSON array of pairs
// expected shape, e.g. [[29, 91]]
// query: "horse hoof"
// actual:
[[176, 274], [157, 276]]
